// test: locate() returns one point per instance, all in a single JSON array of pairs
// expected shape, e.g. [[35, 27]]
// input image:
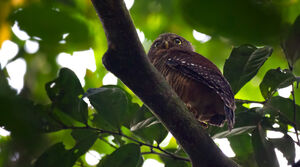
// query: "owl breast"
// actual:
[[203, 102]]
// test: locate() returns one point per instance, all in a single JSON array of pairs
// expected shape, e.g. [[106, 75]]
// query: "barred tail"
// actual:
[[229, 117]]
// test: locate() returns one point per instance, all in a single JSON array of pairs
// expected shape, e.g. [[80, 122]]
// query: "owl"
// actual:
[[195, 79]]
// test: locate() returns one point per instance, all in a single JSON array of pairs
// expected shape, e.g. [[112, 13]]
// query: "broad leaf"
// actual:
[[286, 146], [284, 108], [244, 63], [275, 79], [242, 147], [64, 93], [111, 105], [58, 156], [126, 156], [263, 149]]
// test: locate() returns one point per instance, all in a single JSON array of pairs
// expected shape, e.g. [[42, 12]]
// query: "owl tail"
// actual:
[[229, 117]]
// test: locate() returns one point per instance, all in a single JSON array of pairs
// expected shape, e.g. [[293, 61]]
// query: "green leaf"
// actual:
[[284, 108], [286, 146], [64, 93], [263, 149], [275, 79], [150, 129], [58, 156], [241, 145], [291, 43], [84, 138], [110, 103], [126, 156], [244, 63]]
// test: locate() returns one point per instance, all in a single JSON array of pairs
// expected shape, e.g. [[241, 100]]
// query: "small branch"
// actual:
[[101, 131], [167, 155], [249, 101]]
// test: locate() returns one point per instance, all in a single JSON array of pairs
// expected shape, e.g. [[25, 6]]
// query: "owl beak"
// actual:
[[166, 45]]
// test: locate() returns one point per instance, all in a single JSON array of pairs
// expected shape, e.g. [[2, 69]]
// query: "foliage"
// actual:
[[59, 126]]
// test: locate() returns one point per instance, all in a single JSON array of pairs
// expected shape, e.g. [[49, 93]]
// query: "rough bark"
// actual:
[[127, 59]]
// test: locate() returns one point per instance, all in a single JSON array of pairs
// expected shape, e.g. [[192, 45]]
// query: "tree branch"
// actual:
[[127, 59]]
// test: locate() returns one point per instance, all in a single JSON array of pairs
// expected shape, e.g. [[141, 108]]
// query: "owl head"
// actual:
[[168, 41]]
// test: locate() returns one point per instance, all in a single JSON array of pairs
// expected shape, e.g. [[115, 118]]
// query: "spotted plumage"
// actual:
[[196, 80]]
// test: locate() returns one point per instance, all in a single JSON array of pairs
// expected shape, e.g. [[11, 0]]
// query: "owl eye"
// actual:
[[157, 43], [177, 41]]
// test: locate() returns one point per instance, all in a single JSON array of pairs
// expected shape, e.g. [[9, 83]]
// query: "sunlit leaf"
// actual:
[[126, 156], [263, 149], [244, 63], [275, 79]]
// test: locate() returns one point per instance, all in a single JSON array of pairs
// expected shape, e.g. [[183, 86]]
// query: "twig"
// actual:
[[165, 153], [249, 101]]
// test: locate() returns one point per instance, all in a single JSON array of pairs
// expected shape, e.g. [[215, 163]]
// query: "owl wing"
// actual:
[[197, 67]]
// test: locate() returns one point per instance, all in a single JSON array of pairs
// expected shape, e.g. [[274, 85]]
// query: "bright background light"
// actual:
[[152, 163], [129, 3], [201, 37], [110, 79], [224, 145], [285, 92], [8, 51], [78, 62], [92, 157], [31, 47], [4, 132], [22, 35], [16, 71]]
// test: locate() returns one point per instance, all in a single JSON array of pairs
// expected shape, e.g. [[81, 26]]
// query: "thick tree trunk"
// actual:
[[127, 59]]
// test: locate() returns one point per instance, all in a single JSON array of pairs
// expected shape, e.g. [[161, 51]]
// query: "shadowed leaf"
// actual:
[[64, 93], [263, 149], [275, 79], [244, 63], [286, 146], [126, 156]]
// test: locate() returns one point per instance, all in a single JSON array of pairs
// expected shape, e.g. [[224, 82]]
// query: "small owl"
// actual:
[[195, 79]]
